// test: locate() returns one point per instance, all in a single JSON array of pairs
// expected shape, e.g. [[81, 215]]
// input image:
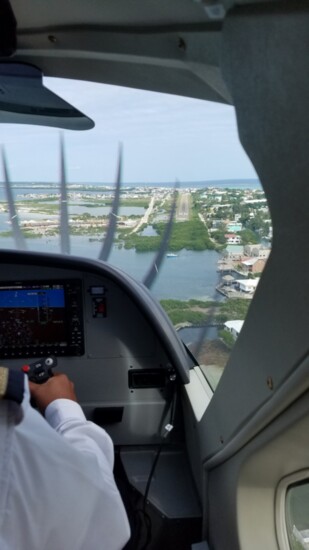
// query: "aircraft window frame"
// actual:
[[202, 312], [199, 392], [281, 511]]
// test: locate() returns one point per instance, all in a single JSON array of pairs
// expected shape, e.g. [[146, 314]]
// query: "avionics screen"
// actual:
[[39, 318]]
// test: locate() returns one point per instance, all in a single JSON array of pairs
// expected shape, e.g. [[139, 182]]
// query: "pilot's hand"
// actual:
[[58, 386]]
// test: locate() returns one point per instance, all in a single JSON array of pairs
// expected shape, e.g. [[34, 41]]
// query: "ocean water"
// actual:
[[191, 274], [21, 188]]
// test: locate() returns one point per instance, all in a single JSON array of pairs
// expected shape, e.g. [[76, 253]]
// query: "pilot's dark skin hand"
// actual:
[[57, 387]]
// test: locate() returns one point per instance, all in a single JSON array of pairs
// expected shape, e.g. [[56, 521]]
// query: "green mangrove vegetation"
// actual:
[[191, 234], [227, 338], [199, 312]]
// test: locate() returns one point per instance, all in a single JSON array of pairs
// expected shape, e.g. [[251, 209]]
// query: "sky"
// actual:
[[164, 138]]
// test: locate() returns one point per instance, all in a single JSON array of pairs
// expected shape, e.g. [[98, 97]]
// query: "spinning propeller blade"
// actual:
[[17, 232], [110, 233]]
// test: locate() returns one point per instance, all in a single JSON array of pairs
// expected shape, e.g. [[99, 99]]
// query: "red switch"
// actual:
[[25, 368]]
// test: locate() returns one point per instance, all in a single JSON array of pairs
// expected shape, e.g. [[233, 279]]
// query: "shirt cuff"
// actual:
[[61, 410]]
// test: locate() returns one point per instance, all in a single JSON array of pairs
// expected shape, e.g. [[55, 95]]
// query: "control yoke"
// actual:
[[40, 371]]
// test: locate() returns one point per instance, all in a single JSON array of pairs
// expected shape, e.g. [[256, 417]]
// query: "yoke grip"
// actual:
[[41, 370]]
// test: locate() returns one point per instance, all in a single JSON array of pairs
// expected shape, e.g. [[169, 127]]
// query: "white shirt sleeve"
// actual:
[[67, 418], [58, 489]]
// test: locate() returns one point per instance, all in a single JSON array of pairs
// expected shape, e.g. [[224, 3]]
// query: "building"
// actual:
[[257, 250], [228, 280], [247, 285], [253, 265], [234, 227], [234, 252], [232, 238], [234, 327]]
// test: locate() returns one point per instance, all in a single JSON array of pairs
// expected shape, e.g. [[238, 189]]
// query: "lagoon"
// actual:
[[191, 275]]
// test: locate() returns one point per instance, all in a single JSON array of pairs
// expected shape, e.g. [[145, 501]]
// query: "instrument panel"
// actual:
[[40, 318], [106, 332]]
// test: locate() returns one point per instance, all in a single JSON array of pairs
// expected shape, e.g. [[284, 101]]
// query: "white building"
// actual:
[[248, 285], [232, 239], [234, 327]]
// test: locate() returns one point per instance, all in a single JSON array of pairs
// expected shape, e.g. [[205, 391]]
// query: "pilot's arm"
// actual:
[[56, 399], [57, 485]]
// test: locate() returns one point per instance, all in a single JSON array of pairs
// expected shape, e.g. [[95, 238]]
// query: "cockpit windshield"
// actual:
[[160, 188]]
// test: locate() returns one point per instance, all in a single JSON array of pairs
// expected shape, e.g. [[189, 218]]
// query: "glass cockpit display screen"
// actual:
[[41, 318]]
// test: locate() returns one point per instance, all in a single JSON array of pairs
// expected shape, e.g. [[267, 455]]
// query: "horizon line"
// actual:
[[136, 184]]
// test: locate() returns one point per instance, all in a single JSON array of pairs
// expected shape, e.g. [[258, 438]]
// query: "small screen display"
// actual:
[[38, 318]]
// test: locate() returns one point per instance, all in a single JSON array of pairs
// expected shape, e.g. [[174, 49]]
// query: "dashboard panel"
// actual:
[[128, 366], [40, 318], [108, 333]]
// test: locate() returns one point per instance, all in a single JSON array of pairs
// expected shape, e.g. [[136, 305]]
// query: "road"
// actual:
[[145, 217], [182, 213]]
